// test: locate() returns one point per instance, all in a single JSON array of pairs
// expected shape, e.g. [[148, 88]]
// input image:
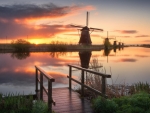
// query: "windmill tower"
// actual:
[[115, 43], [106, 41], [85, 32]]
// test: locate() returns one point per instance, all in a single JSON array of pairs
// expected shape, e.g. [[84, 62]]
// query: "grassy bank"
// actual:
[[21, 104]]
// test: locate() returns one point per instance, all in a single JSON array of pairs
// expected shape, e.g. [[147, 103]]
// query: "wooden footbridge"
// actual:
[[65, 100]]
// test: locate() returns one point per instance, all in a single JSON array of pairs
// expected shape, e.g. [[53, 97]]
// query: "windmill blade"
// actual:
[[79, 26], [96, 29], [87, 19]]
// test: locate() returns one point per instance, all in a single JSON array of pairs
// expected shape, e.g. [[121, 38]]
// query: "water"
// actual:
[[17, 71]]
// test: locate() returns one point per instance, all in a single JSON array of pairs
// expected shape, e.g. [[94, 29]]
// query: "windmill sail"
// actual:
[[85, 35]]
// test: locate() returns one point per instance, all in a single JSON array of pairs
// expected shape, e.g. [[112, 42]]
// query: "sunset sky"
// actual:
[[43, 21]]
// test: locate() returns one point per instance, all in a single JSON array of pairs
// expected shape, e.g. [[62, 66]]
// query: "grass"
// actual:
[[21, 104]]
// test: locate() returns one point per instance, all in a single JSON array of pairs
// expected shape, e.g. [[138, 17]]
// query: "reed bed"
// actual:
[[112, 90]]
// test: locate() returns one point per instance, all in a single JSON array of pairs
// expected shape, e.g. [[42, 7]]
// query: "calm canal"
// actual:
[[17, 72]]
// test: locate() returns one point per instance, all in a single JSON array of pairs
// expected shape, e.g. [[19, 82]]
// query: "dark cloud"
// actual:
[[139, 36], [21, 11], [14, 19], [126, 31]]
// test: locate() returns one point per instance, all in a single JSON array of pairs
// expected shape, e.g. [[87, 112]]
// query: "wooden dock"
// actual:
[[65, 99], [68, 101]]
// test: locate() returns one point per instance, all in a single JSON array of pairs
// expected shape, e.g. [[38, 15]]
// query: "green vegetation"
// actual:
[[121, 98], [136, 103], [17, 104], [140, 86], [20, 45], [57, 46], [40, 107], [21, 104]]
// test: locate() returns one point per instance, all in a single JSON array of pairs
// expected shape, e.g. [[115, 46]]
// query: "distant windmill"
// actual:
[[106, 41], [85, 35]]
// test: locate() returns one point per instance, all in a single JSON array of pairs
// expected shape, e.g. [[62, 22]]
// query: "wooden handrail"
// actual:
[[104, 76], [45, 74], [94, 72], [42, 88]]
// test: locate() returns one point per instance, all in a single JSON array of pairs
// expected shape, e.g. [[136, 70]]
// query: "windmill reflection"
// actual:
[[20, 55], [107, 52], [85, 58]]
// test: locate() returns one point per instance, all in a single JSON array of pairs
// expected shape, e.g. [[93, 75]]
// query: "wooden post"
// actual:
[[103, 85], [70, 75], [50, 95], [41, 86], [82, 81], [36, 81]]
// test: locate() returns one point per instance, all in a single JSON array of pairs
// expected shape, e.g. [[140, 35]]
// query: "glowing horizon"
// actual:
[[46, 22]]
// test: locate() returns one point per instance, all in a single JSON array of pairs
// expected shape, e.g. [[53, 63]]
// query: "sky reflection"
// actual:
[[129, 66]]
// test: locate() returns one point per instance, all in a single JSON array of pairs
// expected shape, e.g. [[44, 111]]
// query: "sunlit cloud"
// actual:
[[143, 56], [78, 34], [146, 41], [25, 19], [140, 36], [124, 36], [126, 31]]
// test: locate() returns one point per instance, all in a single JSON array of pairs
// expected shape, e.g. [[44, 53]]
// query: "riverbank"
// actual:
[[49, 47]]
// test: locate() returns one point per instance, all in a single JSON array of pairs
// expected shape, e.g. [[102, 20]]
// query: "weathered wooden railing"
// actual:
[[103, 86], [42, 88]]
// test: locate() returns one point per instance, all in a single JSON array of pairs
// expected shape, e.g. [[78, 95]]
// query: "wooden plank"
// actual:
[[68, 101]]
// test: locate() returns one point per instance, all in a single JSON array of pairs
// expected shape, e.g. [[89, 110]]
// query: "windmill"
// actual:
[[115, 43], [106, 41], [85, 34]]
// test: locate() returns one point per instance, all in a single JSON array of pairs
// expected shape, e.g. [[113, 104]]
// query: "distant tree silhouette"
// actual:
[[20, 45]]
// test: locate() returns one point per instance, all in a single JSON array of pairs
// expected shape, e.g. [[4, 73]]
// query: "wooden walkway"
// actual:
[[68, 101]]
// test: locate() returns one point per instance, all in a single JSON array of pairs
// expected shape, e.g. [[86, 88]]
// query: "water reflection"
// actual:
[[85, 58], [20, 55], [131, 65], [106, 52], [57, 54]]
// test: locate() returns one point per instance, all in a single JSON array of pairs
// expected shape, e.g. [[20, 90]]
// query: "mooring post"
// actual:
[[70, 75], [103, 85], [50, 95], [41, 86], [36, 81], [82, 81]]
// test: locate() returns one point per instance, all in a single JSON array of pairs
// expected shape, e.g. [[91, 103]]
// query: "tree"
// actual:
[[20, 45]]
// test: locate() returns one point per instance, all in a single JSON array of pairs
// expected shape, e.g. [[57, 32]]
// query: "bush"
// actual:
[[40, 107], [137, 103], [102, 105]]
